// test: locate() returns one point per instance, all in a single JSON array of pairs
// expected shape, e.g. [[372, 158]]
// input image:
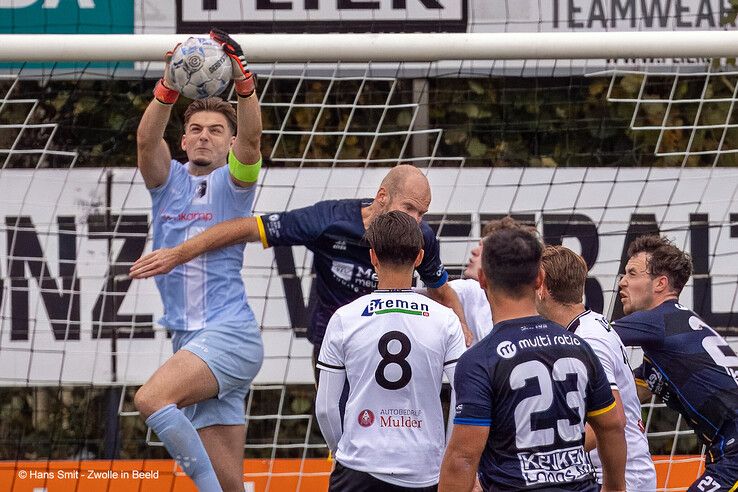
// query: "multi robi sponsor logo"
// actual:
[[366, 418], [400, 418], [507, 349]]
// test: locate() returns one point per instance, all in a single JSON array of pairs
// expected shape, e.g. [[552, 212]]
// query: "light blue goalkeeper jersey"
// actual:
[[208, 291]]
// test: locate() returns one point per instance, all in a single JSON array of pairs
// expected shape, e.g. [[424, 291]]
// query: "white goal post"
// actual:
[[268, 48]]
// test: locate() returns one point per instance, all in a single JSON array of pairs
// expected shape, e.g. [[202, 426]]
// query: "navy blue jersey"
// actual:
[[533, 384], [687, 364], [334, 231]]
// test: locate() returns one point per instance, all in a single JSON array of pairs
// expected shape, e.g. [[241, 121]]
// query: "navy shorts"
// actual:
[[721, 468], [721, 476]]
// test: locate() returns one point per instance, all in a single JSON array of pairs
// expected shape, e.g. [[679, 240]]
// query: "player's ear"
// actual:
[[482, 278], [419, 258], [662, 284], [373, 259], [183, 144], [542, 292], [381, 197], [539, 278]]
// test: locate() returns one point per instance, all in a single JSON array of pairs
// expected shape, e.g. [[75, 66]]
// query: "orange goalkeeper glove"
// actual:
[[165, 91]]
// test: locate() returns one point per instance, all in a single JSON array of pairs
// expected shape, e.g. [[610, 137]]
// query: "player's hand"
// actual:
[[155, 263], [167, 73], [165, 90], [234, 51], [468, 336]]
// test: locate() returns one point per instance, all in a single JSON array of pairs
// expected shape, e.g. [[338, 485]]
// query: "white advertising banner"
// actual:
[[321, 16], [70, 315]]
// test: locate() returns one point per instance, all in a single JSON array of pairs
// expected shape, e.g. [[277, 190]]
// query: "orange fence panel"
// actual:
[[281, 475]]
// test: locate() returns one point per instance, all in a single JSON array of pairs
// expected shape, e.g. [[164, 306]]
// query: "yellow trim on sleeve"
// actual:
[[734, 487], [262, 232], [641, 383], [595, 413]]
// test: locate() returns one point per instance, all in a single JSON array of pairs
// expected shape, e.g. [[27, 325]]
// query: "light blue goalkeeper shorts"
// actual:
[[234, 354]]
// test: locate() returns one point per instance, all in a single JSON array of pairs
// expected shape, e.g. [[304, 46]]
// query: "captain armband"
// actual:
[[248, 173]]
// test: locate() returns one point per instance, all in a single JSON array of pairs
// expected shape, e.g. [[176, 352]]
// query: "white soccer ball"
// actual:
[[200, 68]]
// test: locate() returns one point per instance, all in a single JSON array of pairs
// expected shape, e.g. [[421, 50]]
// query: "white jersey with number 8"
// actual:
[[394, 346]]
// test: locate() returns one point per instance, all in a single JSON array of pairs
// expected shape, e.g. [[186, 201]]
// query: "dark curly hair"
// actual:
[[663, 259]]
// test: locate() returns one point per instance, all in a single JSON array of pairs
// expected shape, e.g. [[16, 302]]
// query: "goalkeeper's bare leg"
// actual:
[[182, 381], [224, 444], [185, 380]]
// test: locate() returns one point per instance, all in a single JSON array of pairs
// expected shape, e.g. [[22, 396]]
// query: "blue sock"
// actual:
[[184, 444]]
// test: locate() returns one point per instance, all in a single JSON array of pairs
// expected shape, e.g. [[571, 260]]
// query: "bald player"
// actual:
[[334, 231]]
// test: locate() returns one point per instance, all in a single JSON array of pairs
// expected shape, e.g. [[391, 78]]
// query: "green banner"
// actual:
[[66, 16]]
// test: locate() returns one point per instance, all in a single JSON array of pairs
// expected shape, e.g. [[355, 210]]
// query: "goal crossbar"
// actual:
[[383, 47]]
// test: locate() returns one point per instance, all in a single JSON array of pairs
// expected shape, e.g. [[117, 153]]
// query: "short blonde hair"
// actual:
[[566, 274]]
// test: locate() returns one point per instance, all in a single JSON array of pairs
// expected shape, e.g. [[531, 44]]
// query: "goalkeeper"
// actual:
[[195, 401]]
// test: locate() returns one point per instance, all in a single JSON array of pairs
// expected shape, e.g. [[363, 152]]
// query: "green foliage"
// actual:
[[64, 423], [494, 121], [71, 422], [529, 122]]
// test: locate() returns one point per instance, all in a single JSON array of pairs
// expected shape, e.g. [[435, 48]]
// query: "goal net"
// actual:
[[593, 152]]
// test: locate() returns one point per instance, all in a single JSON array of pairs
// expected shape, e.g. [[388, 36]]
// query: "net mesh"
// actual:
[[591, 160]]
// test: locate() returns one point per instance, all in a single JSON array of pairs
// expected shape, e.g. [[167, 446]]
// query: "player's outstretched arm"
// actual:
[[152, 150], [447, 296], [225, 233], [246, 147], [609, 429], [460, 462]]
